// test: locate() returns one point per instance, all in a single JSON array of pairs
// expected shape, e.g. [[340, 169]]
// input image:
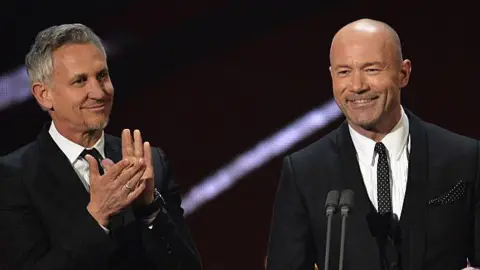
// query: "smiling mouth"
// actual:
[[95, 108], [362, 101]]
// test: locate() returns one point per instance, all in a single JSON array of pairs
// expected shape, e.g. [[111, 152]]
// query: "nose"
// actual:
[[358, 82], [96, 89]]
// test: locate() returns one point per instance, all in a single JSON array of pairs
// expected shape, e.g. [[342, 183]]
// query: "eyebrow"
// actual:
[[103, 70], [364, 65], [85, 75], [78, 76]]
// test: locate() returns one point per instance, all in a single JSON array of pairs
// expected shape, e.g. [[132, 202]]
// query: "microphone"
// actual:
[[331, 204], [346, 206]]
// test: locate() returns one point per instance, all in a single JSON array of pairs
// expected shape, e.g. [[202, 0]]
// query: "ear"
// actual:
[[332, 76], [42, 94], [405, 70], [331, 72]]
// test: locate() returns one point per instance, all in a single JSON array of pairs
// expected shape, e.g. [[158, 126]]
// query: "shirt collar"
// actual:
[[395, 141], [73, 150]]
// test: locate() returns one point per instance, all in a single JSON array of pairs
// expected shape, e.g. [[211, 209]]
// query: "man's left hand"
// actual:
[[133, 149]]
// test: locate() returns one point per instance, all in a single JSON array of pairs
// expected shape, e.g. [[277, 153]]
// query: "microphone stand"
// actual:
[[346, 204], [327, 244], [342, 236], [331, 205]]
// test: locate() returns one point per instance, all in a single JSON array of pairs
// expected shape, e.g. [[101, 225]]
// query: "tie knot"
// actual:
[[92, 152], [380, 148]]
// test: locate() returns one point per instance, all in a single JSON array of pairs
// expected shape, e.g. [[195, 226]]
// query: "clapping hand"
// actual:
[[134, 149], [116, 189]]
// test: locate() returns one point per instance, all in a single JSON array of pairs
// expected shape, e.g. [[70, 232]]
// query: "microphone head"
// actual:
[[332, 199], [347, 199]]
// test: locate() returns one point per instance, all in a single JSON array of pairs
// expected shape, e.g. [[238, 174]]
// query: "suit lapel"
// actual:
[[66, 188], [415, 203], [350, 170], [414, 211], [113, 148], [351, 178], [66, 184], [113, 151]]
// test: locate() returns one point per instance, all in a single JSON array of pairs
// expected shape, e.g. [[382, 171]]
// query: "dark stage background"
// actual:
[[208, 80]]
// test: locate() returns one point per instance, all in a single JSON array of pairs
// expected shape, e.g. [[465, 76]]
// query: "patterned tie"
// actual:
[[94, 153], [383, 180]]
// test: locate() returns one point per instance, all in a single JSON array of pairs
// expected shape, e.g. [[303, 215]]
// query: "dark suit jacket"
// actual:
[[44, 223], [439, 226]]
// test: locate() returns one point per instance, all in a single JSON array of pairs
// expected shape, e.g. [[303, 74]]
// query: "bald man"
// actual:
[[416, 185]]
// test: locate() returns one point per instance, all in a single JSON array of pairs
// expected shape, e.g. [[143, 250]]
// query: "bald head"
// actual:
[[368, 73], [371, 31]]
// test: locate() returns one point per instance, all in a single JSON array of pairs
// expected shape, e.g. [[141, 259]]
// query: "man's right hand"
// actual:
[[117, 188]]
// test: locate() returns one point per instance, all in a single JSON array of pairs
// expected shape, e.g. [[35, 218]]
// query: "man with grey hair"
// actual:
[[77, 198]]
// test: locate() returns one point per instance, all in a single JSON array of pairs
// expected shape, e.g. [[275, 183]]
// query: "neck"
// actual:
[[382, 128], [85, 138], [89, 138]]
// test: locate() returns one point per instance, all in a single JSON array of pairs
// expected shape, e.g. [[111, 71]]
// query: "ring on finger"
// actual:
[[129, 188]]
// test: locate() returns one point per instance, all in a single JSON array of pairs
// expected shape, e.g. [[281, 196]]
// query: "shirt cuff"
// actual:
[[150, 219], [105, 229]]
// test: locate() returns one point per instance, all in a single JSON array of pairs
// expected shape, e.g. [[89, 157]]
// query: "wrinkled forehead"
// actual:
[[360, 49], [78, 59]]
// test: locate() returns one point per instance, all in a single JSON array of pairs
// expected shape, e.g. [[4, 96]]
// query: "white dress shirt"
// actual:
[[398, 146], [397, 143], [80, 165], [73, 151]]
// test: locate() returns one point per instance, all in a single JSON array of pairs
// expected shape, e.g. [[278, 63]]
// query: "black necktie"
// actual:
[[383, 180], [116, 220], [94, 153]]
